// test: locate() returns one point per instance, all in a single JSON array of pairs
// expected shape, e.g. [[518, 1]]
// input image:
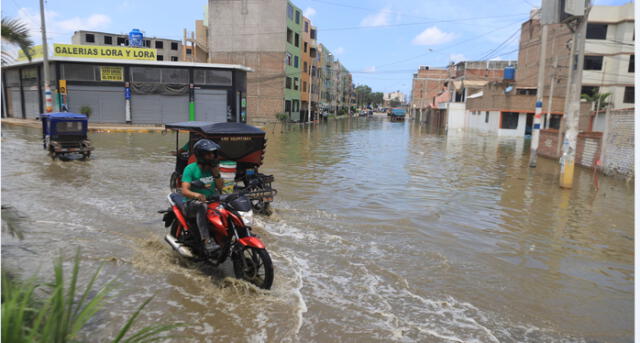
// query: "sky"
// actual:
[[381, 42]]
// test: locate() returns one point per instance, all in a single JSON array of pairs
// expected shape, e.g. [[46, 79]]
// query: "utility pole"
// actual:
[[535, 137], [310, 88], [553, 83], [48, 100], [572, 104]]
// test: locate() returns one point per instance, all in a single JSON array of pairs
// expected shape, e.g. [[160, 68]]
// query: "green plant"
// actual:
[[14, 31], [282, 117], [59, 317], [86, 110], [599, 100]]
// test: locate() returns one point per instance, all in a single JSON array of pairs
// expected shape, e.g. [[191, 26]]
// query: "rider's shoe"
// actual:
[[211, 247]]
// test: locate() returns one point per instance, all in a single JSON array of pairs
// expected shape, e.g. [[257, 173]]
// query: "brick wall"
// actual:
[[265, 86], [548, 143], [618, 150]]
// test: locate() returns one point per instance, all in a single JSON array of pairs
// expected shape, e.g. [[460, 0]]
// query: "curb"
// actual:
[[91, 128]]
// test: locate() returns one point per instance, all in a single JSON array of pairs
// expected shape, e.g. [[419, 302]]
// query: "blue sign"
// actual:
[[136, 38], [127, 93]]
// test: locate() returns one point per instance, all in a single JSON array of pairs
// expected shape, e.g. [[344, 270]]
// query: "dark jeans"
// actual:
[[197, 209]]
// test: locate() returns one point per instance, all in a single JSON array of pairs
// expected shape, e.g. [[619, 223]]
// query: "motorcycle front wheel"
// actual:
[[253, 265]]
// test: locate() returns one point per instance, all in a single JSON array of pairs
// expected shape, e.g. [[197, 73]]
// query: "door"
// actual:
[[159, 109], [211, 105], [106, 103]]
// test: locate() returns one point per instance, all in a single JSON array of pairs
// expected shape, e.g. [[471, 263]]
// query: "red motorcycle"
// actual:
[[230, 216]]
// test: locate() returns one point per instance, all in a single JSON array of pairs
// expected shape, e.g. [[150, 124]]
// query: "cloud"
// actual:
[[61, 30], [371, 69], [339, 51], [455, 58], [433, 36], [379, 19], [309, 12], [497, 58]]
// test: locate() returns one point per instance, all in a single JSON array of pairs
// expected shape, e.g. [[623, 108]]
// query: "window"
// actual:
[[174, 58], [297, 40], [526, 91], [306, 26], [596, 31], [90, 38], [120, 41], [290, 11], [188, 51], [313, 34], [295, 61], [305, 46], [287, 83], [212, 77], [509, 120], [593, 62], [159, 44], [629, 93], [160, 58], [147, 43], [589, 90], [313, 52], [297, 17], [304, 86], [486, 117], [632, 63], [289, 36], [304, 67], [287, 59], [108, 40], [554, 121], [174, 46], [295, 83]]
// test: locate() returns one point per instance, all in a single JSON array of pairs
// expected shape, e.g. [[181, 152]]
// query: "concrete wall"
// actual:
[[455, 116], [477, 121], [618, 149], [256, 26], [79, 38]]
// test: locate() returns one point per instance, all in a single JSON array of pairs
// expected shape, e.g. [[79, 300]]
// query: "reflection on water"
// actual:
[[382, 232]]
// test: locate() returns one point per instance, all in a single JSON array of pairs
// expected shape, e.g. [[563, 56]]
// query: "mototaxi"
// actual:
[[65, 133]]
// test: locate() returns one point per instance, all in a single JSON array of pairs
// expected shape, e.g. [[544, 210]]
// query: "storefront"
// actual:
[[117, 90]]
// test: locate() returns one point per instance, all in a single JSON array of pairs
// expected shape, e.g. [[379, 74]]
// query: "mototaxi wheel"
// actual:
[[253, 265], [173, 182]]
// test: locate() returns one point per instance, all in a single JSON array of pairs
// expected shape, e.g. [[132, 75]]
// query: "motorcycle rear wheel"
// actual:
[[253, 265]]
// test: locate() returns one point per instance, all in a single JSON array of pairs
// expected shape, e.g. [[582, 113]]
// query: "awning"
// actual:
[[474, 83], [475, 95]]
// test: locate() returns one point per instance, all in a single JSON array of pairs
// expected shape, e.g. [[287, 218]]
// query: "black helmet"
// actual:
[[203, 146]]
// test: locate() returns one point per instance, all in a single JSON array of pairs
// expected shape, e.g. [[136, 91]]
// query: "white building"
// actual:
[[397, 95], [609, 56]]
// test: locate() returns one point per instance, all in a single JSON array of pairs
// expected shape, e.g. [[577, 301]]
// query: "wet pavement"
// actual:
[[382, 232]]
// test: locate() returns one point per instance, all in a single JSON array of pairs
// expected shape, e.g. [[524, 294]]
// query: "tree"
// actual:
[[362, 94], [394, 102], [15, 32], [376, 98], [599, 99]]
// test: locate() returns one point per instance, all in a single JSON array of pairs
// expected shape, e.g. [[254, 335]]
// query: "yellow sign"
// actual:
[[111, 73], [111, 52], [62, 87], [36, 52]]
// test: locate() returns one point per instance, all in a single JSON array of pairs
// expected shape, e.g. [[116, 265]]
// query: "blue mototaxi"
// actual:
[[65, 133], [397, 114]]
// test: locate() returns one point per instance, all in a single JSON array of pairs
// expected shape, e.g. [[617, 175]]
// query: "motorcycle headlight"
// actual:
[[247, 217]]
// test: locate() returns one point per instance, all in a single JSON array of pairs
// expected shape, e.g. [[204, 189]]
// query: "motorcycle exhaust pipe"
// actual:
[[182, 249]]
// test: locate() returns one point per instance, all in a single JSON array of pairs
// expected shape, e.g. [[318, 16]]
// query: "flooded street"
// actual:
[[382, 232]]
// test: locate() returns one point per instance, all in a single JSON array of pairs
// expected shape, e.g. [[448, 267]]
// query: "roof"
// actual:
[[210, 128], [138, 62], [66, 115]]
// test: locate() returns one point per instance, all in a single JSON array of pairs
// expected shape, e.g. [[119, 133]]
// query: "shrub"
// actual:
[[282, 117], [86, 110]]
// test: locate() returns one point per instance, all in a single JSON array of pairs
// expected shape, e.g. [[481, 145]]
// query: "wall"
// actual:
[[455, 116], [517, 132], [618, 149], [476, 120]]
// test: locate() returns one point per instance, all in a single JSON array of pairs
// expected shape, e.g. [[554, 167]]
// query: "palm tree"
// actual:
[[15, 32], [600, 100]]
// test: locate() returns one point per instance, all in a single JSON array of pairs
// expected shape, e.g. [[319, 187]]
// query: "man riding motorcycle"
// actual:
[[206, 170]]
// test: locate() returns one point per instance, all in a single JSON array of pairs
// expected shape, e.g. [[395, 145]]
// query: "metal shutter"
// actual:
[[158, 109], [16, 104], [31, 103], [211, 105], [107, 103]]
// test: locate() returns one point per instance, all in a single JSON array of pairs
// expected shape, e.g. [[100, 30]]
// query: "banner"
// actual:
[[36, 52], [111, 52], [111, 73]]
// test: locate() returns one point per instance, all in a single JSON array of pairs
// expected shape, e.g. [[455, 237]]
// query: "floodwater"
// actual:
[[382, 232]]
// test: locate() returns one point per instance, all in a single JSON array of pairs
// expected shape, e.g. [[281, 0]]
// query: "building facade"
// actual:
[[269, 37], [167, 49]]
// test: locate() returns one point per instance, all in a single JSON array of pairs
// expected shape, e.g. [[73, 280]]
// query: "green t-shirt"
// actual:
[[193, 172]]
